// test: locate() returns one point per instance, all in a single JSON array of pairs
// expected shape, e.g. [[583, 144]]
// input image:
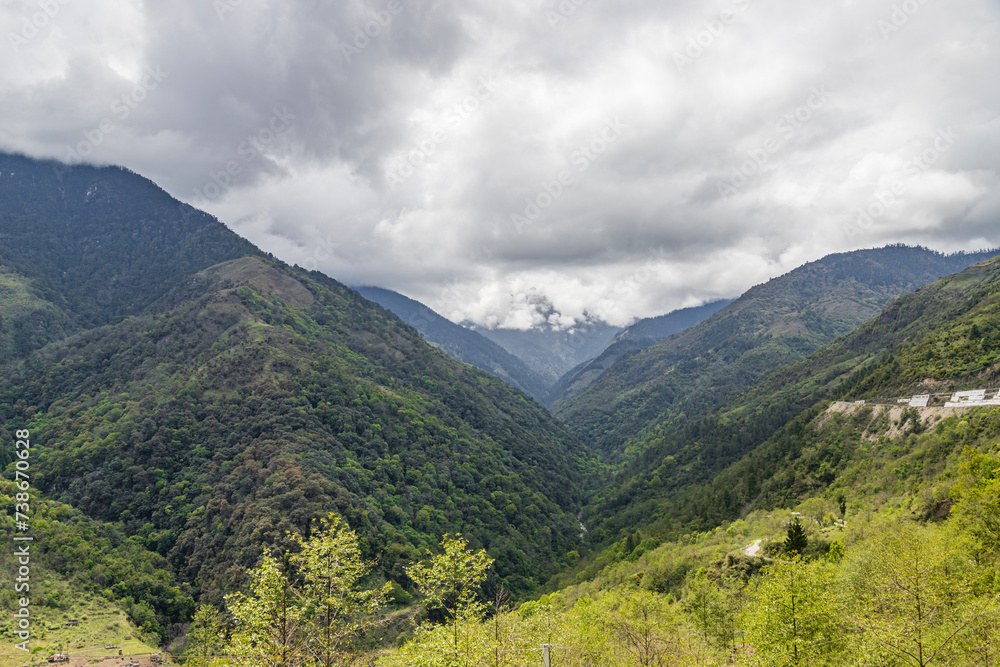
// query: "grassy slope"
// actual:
[[101, 623], [78, 565]]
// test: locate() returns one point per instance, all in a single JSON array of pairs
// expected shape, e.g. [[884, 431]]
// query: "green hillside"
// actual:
[[693, 477], [661, 388], [895, 562], [73, 558], [27, 320], [898, 557]]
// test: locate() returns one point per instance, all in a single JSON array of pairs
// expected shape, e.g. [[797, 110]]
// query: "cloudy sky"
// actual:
[[508, 161]]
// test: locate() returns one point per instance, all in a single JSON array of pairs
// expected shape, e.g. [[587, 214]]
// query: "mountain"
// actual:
[[207, 398], [84, 247], [780, 442], [638, 336], [658, 328], [644, 397], [552, 352], [459, 342]]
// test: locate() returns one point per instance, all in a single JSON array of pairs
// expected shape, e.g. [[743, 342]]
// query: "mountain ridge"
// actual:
[[95, 244], [640, 335], [770, 325], [718, 463], [460, 342]]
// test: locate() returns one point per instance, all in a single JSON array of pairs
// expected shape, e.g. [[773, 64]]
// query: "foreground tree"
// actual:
[[646, 625], [450, 582], [790, 617], [331, 567], [206, 639], [310, 614], [714, 608], [977, 512], [267, 621]]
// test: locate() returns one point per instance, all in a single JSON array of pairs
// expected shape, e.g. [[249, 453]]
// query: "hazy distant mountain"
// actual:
[[551, 353], [459, 342], [658, 328], [642, 334]]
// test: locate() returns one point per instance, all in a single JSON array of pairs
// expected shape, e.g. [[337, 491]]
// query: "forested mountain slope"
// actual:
[[761, 448], [259, 398], [660, 388], [459, 342], [85, 246], [854, 534], [644, 333]]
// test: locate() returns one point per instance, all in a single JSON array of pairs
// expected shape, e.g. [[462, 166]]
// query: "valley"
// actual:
[[196, 405]]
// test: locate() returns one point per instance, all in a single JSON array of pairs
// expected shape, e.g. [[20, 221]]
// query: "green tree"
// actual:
[[450, 581], [713, 607], [268, 620], [645, 624], [790, 618], [631, 542], [977, 512], [206, 638], [914, 599], [331, 567], [796, 540]]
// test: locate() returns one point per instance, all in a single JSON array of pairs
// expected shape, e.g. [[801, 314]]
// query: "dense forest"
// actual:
[[255, 400], [862, 574]]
